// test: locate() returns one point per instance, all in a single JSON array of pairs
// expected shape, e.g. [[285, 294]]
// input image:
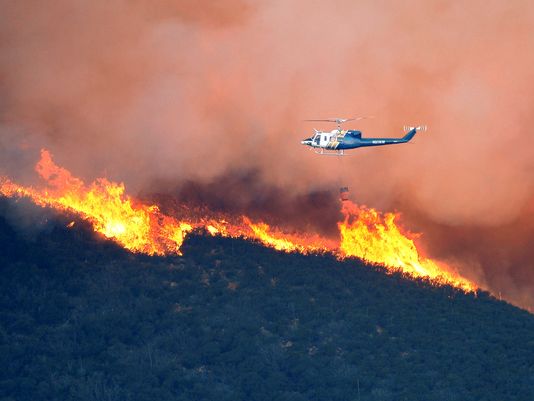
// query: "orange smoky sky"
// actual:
[[152, 92]]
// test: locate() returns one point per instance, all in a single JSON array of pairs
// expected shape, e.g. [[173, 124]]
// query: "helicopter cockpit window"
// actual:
[[317, 139]]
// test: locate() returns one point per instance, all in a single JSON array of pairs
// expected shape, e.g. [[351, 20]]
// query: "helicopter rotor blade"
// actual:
[[341, 120], [344, 120]]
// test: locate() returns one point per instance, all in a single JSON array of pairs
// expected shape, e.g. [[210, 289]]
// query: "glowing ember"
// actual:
[[287, 242], [365, 233]]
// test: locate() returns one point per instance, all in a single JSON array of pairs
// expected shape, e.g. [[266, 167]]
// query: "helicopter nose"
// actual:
[[306, 141]]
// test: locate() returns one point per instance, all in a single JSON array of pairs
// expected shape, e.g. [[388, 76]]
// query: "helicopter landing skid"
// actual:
[[330, 153]]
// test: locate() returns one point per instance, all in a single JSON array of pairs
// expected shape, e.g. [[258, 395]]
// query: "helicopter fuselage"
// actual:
[[339, 140]]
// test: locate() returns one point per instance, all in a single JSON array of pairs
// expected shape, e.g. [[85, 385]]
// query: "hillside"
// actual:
[[82, 319]]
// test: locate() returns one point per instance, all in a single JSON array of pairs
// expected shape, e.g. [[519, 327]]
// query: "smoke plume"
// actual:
[[166, 92]]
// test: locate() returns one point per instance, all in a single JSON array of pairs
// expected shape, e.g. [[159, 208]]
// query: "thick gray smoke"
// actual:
[[172, 91]]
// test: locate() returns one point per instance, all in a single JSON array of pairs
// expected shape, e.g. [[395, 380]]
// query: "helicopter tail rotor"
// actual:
[[408, 128]]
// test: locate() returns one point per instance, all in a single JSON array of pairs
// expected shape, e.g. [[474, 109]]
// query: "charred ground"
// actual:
[[82, 319]]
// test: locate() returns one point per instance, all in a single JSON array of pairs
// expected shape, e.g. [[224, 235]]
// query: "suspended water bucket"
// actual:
[[344, 193]]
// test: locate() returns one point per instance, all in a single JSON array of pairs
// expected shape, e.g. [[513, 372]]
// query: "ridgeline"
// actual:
[[83, 319]]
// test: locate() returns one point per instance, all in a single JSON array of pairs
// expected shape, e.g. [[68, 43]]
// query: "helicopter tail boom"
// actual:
[[409, 135]]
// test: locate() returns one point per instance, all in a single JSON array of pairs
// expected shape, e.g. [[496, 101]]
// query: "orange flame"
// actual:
[[135, 226], [375, 237], [365, 233]]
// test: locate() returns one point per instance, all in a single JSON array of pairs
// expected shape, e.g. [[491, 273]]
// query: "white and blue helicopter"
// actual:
[[335, 142]]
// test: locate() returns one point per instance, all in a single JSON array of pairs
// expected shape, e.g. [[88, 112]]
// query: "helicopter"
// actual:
[[337, 141]]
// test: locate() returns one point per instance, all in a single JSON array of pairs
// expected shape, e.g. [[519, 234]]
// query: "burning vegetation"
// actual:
[[365, 233]]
